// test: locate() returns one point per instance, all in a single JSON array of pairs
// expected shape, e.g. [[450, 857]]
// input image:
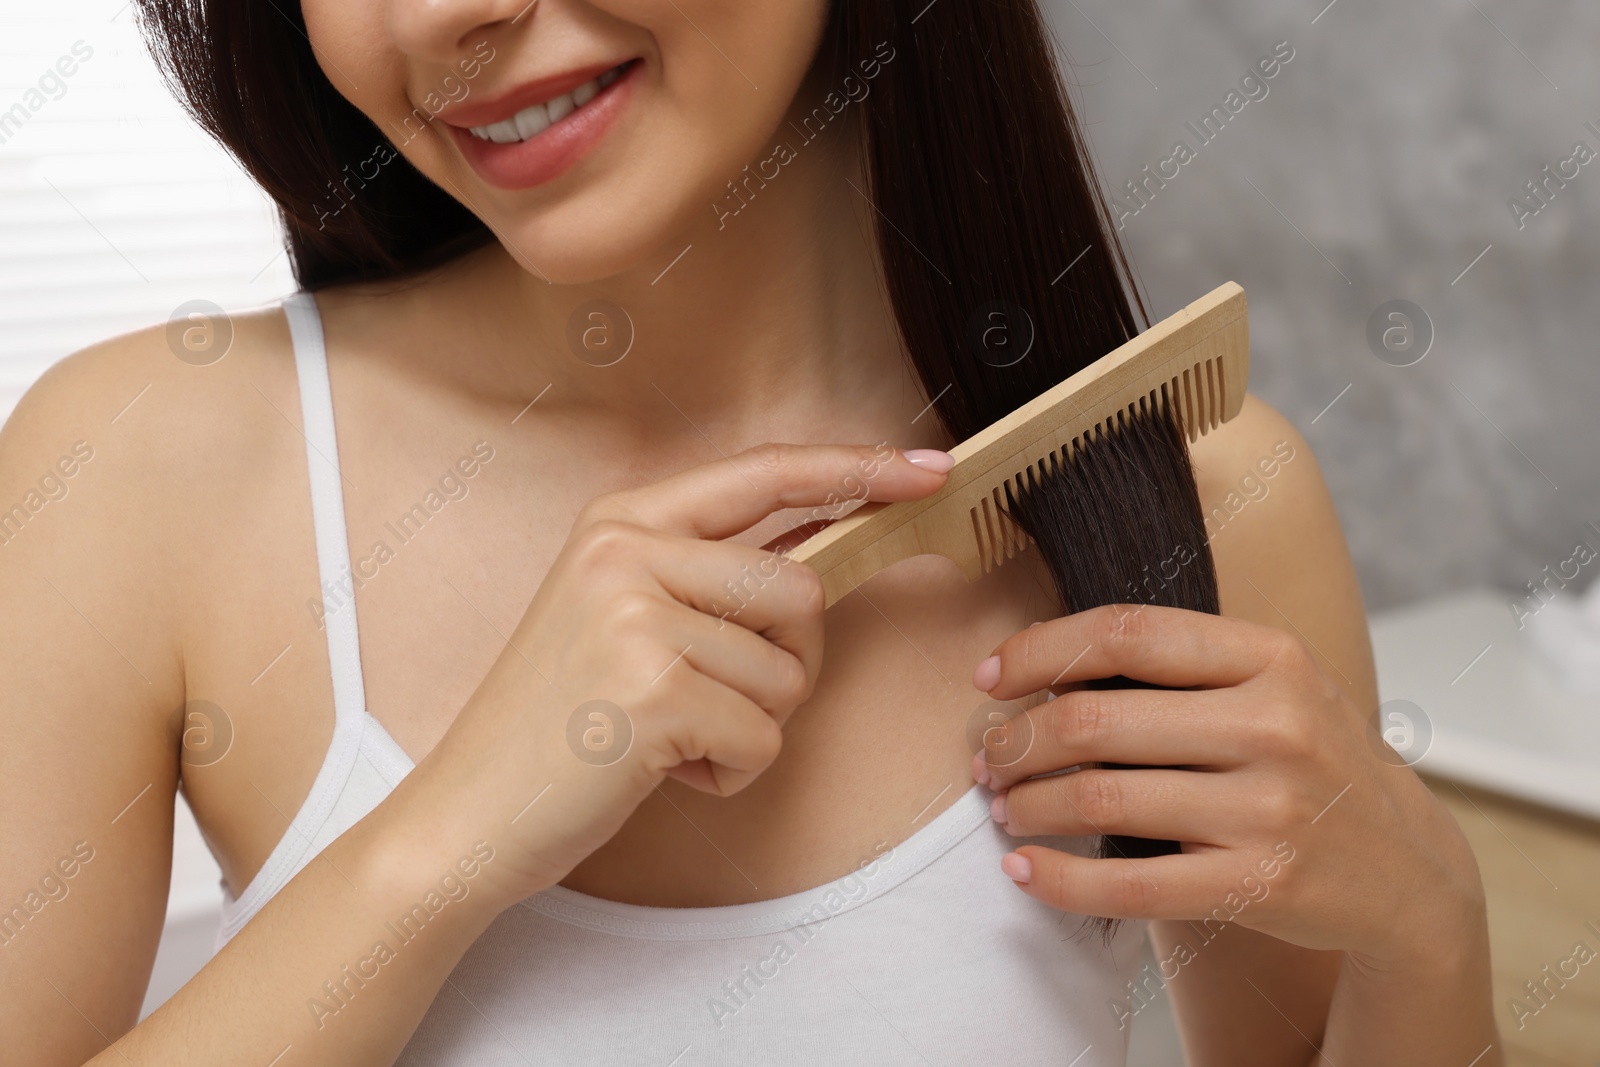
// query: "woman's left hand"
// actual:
[[1295, 820]]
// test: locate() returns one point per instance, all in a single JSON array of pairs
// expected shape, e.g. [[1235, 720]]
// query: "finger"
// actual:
[[1162, 887], [792, 539], [1159, 805], [769, 676], [1163, 646], [1154, 727], [707, 721], [762, 592], [728, 496]]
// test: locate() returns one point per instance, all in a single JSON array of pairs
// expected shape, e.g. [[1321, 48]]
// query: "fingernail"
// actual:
[[987, 674], [931, 459], [1016, 867], [980, 768], [997, 808]]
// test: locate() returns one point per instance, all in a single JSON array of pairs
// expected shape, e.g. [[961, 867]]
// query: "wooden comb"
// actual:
[[1198, 360]]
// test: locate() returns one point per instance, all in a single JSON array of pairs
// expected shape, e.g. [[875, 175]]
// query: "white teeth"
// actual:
[[532, 121], [503, 132]]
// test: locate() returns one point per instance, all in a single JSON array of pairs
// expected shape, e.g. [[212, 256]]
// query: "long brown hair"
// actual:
[[999, 256]]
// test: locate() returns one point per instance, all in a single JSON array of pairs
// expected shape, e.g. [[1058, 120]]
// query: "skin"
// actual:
[[180, 565]]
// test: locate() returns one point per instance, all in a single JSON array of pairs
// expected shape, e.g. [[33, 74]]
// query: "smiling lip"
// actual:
[[544, 148]]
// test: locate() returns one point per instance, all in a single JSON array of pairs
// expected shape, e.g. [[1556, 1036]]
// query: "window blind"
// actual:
[[114, 207]]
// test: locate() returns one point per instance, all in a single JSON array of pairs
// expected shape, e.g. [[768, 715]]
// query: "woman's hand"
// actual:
[[1295, 819], [653, 648]]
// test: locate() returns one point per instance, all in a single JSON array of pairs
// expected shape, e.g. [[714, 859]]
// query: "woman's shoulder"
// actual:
[[113, 456], [1246, 459], [1270, 521], [173, 396]]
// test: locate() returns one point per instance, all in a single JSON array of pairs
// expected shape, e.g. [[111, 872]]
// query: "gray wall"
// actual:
[[1392, 141]]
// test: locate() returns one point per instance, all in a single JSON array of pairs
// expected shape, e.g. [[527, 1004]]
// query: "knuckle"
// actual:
[[1029, 646], [1087, 717], [604, 539], [593, 511], [771, 461], [602, 508], [869, 459], [1281, 807], [635, 615], [1128, 892], [1056, 884], [1123, 629], [1099, 797], [1288, 653], [1287, 735]]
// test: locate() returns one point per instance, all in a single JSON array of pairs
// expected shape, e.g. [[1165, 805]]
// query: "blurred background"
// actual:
[[1427, 160]]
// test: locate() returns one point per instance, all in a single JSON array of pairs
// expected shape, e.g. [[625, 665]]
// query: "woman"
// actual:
[[576, 264]]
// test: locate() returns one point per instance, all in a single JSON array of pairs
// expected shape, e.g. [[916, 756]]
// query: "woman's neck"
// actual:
[[748, 326]]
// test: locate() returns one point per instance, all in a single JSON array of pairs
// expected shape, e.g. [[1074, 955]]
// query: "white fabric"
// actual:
[[926, 954]]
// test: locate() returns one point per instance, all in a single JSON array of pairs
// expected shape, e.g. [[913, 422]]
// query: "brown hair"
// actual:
[[999, 256]]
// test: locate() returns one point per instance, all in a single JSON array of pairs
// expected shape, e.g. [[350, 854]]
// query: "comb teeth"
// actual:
[[998, 535], [1196, 396], [1193, 365]]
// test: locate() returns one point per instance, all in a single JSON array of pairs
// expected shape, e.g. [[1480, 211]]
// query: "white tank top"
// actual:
[[926, 954]]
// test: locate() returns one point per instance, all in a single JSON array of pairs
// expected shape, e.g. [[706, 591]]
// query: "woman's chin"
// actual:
[[584, 248]]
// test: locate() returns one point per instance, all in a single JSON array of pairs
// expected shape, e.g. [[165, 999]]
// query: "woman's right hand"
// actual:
[[694, 651]]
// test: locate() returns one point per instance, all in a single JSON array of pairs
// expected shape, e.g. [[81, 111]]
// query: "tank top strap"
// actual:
[[327, 506]]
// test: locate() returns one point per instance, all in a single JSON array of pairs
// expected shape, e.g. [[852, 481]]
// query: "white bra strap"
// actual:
[[327, 506]]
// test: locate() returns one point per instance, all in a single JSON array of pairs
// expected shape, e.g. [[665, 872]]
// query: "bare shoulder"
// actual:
[[156, 386], [1246, 461], [111, 462], [1281, 556]]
